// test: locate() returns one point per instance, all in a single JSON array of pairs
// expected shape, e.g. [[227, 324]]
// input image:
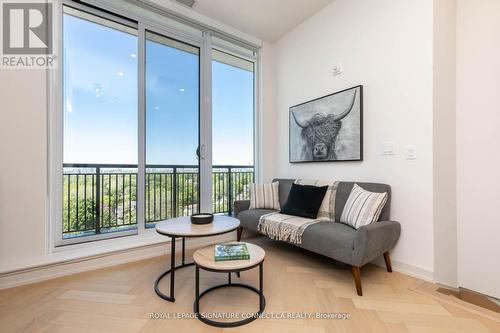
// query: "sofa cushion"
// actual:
[[250, 218], [284, 188], [264, 196], [327, 210], [344, 190], [332, 239], [304, 200], [362, 207]]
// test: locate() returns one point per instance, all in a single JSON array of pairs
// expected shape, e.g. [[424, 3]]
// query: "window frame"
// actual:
[[205, 43]]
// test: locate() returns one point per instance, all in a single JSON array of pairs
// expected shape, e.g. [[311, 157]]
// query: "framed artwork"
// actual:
[[328, 129]]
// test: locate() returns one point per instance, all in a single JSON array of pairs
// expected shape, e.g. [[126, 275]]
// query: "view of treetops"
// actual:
[[101, 127]]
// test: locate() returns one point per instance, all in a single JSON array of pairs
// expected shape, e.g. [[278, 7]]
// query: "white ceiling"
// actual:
[[268, 20]]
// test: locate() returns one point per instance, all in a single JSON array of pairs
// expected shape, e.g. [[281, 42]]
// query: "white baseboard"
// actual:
[[411, 270], [447, 286], [55, 270]]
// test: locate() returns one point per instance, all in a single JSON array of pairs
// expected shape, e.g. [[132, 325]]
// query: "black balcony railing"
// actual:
[[102, 198]]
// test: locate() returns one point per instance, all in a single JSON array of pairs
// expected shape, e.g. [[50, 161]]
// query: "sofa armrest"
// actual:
[[373, 240], [239, 206]]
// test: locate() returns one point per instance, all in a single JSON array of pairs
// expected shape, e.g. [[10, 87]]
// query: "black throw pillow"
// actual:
[[304, 200]]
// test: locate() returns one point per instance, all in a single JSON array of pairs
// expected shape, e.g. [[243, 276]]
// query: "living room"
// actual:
[[152, 133]]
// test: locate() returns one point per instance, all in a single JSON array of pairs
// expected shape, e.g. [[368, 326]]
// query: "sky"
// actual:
[[100, 101]]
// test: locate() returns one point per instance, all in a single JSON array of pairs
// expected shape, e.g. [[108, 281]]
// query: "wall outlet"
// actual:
[[338, 69], [387, 149], [411, 152]]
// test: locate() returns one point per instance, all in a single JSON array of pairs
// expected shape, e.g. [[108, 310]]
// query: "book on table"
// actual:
[[231, 251]]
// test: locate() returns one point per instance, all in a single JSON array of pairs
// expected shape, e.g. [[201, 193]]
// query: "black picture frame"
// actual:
[[357, 107]]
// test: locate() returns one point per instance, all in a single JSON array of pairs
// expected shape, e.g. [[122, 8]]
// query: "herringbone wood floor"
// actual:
[[121, 299]]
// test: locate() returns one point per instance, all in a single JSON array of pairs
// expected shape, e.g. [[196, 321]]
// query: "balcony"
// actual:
[[102, 198]]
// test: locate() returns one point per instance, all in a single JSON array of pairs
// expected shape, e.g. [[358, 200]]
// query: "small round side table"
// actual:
[[181, 227], [204, 259]]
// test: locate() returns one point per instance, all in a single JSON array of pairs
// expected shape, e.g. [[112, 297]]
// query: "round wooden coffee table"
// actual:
[[204, 259], [181, 227]]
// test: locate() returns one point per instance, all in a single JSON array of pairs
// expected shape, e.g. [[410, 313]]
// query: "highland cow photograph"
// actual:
[[328, 129]]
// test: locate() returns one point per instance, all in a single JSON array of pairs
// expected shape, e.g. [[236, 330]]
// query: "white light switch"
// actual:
[[411, 152], [387, 148], [338, 69]]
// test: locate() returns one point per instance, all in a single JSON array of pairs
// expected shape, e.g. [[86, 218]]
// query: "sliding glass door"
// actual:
[[172, 128], [232, 129], [99, 125]]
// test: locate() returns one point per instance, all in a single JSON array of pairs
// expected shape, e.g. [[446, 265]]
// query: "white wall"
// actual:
[[444, 136], [267, 121], [23, 167], [478, 134], [386, 45]]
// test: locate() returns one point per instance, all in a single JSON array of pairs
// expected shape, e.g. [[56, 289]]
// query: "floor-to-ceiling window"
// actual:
[[133, 150], [232, 129], [172, 131], [99, 125]]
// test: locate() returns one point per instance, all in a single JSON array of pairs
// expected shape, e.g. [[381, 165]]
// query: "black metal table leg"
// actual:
[[197, 290], [261, 287], [183, 249], [171, 271]]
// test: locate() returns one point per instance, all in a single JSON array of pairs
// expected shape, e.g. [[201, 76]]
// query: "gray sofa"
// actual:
[[336, 240]]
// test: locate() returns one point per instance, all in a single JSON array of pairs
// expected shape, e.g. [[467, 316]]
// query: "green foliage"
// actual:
[[113, 203]]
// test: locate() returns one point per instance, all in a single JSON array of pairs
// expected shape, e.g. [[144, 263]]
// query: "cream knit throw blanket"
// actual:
[[284, 227]]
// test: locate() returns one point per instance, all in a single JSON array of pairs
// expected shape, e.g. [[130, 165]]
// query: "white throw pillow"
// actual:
[[327, 210], [362, 207], [264, 196]]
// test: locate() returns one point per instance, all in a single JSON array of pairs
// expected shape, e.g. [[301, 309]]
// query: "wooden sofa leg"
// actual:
[[388, 262], [356, 273], [239, 232]]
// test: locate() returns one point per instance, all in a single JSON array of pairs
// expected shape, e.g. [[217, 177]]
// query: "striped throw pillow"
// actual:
[[362, 207], [327, 210], [264, 196]]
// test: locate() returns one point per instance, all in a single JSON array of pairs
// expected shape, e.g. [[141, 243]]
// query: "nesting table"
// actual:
[[204, 259], [181, 227]]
